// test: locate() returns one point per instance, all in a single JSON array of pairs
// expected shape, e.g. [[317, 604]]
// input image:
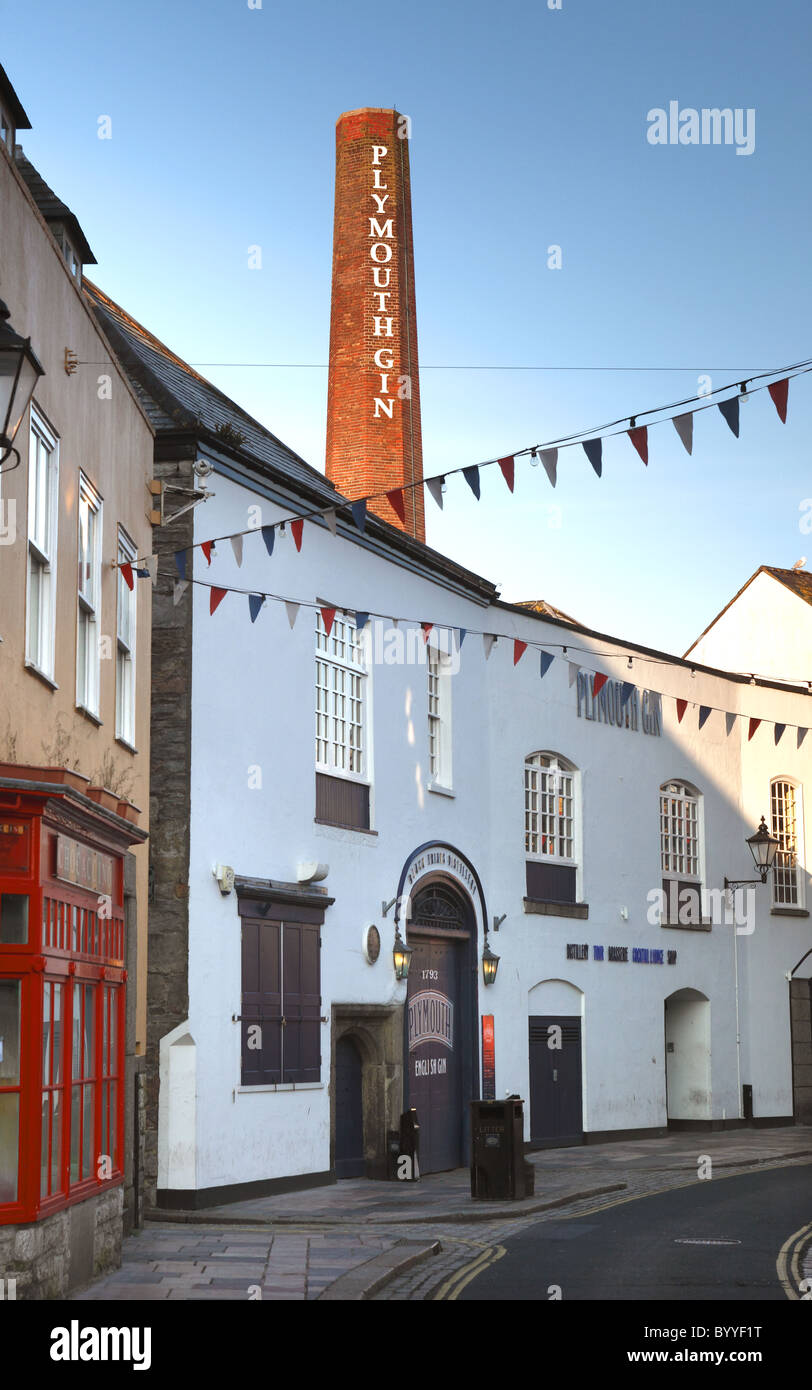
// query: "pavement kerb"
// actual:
[[485, 1211], [367, 1279], [481, 1211]]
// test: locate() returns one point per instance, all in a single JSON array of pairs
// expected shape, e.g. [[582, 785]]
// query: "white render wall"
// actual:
[[767, 631], [253, 707]]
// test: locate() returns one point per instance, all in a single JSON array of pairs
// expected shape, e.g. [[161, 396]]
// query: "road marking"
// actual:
[[452, 1287], [694, 1240], [789, 1267]]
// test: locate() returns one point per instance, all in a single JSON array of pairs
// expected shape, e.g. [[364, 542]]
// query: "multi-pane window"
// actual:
[[550, 828], [340, 698], [439, 707], [83, 1084], [548, 807], [53, 1089], [679, 830], [785, 812], [43, 490], [125, 646], [89, 600], [680, 855], [9, 1088]]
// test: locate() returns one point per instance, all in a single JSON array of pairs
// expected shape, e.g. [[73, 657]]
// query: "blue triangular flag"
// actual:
[[730, 410], [255, 602], [779, 729], [625, 691], [142, 574], [268, 533], [359, 514], [704, 714], [471, 476], [180, 563], [361, 620], [593, 448], [462, 631], [545, 663]]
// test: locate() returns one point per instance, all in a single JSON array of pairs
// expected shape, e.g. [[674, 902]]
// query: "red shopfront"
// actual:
[[62, 996]]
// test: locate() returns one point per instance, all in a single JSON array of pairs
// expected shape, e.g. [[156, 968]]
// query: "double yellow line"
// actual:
[[454, 1286], [788, 1263]]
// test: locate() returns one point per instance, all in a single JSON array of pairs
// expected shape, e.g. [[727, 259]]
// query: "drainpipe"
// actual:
[[738, 1027]]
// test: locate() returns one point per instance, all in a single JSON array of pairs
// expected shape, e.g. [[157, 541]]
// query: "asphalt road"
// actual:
[[640, 1249]]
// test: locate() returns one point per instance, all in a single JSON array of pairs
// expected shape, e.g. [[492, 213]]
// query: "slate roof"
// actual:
[[52, 208], [799, 581], [175, 396]]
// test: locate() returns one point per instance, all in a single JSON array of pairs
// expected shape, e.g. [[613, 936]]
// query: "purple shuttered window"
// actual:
[[281, 1000]]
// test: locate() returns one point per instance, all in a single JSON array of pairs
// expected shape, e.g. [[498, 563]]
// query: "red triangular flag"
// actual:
[[598, 682], [296, 528], [519, 649], [426, 630], [506, 466], [127, 571], [328, 615], [779, 391], [639, 438], [206, 546], [682, 706], [396, 499], [754, 723], [217, 596]]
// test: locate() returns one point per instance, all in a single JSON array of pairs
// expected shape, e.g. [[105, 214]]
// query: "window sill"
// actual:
[[544, 908], [88, 714], [788, 912], [130, 747], [704, 925], [282, 1086], [335, 825], [46, 680], [440, 790]]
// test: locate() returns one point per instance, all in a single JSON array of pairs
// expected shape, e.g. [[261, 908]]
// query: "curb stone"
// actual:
[[369, 1278]]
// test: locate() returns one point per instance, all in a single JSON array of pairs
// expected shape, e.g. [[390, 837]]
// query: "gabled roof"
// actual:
[[52, 208], [799, 582], [175, 396], [12, 102]]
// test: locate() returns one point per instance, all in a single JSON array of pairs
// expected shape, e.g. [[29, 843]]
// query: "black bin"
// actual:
[[498, 1167]]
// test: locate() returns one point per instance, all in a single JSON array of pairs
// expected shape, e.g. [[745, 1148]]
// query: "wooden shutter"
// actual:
[[302, 1002], [553, 883], [261, 1001]]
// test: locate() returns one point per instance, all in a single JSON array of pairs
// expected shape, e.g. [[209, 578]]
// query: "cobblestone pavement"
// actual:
[[299, 1243]]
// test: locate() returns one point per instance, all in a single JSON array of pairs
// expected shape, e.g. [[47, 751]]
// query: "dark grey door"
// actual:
[[435, 1053], [349, 1157], [555, 1081]]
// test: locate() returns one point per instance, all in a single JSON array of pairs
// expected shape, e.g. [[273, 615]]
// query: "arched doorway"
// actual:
[[439, 1026], [687, 1057], [349, 1143]]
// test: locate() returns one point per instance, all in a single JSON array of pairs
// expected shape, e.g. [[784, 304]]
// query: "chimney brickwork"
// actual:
[[373, 406]]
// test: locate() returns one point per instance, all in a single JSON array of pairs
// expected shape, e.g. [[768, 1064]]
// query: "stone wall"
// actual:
[[168, 934], [49, 1259]]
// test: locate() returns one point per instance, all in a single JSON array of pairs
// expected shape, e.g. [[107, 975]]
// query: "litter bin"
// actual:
[[498, 1167]]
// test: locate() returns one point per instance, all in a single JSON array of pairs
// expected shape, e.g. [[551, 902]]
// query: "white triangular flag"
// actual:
[[488, 640], [435, 487], [331, 517], [181, 585], [151, 564], [549, 458], [292, 610], [572, 670], [684, 425], [236, 546]]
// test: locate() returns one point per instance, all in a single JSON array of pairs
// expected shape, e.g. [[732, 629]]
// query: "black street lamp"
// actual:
[[490, 964], [763, 847], [20, 370]]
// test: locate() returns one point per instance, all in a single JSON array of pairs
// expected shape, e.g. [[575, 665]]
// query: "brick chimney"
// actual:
[[373, 395]]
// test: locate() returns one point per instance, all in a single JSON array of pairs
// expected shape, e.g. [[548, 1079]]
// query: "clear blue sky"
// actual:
[[529, 128]]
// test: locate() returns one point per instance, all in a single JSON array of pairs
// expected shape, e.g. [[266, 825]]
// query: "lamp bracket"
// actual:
[[385, 906], [497, 921], [734, 883], [7, 455]]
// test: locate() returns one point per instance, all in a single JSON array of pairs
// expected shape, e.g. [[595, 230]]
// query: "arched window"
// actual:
[[551, 828], [787, 827], [681, 854]]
